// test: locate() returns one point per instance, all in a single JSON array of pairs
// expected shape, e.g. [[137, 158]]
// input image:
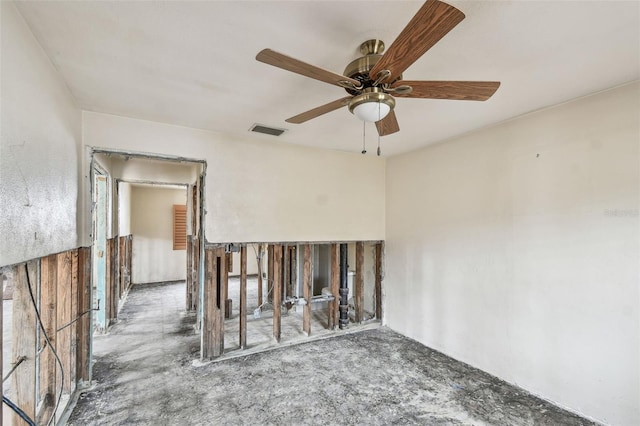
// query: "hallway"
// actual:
[[145, 374]]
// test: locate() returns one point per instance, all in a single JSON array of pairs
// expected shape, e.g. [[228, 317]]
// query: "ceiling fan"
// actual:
[[374, 80]]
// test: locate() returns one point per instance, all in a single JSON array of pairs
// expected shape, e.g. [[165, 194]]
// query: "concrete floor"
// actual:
[[145, 374]]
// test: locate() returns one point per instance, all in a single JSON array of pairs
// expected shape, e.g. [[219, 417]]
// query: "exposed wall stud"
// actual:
[[23, 379], [335, 286], [243, 297], [358, 290], [48, 287], [306, 290], [277, 291], [378, 283]]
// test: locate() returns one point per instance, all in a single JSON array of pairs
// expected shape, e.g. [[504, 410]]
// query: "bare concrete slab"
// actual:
[[145, 374]]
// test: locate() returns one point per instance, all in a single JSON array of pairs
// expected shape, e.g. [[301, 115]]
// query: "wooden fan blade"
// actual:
[[288, 63], [432, 22], [388, 125], [456, 90], [317, 112]]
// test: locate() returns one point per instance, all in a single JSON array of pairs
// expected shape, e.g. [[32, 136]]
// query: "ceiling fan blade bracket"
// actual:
[[349, 85], [382, 76], [398, 90]]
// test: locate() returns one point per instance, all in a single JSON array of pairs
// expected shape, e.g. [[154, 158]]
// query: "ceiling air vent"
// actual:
[[259, 128]]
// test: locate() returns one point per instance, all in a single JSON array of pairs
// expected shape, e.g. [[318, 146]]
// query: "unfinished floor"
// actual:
[[145, 374]]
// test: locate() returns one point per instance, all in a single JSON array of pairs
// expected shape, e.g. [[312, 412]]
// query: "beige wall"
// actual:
[[252, 262], [263, 190], [39, 149], [154, 259], [515, 249]]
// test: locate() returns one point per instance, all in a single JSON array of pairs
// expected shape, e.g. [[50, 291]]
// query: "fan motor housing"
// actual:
[[358, 69]]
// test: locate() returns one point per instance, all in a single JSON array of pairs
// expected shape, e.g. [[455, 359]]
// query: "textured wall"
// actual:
[[515, 249], [39, 146]]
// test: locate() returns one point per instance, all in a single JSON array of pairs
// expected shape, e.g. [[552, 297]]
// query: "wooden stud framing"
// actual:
[[335, 286], [213, 317], [378, 282], [63, 317], [306, 290], [84, 304], [277, 291], [243, 297], [224, 275], [23, 379], [358, 297], [260, 269], [73, 334], [48, 288], [1, 359]]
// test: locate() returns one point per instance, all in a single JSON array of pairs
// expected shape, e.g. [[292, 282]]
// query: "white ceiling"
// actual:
[[192, 63]]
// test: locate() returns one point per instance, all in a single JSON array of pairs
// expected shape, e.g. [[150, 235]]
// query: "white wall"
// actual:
[[153, 257], [39, 148], [261, 190], [515, 249], [124, 209]]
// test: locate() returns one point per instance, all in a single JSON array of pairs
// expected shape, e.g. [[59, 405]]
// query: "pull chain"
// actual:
[[364, 125]]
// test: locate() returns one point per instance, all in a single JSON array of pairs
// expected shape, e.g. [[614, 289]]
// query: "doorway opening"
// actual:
[[147, 216]]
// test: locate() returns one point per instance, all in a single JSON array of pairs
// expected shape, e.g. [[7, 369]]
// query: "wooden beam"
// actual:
[[84, 323], [335, 286], [277, 291], [378, 282], [306, 290], [63, 317], [23, 379], [2, 273], [243, 297], [358, 297], [73, 327], [48, 288], [130, 259], [224, 276], [210, 345], [285, 271]]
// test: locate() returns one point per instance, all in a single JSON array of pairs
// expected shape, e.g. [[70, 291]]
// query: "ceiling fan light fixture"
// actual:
[[372, 105]]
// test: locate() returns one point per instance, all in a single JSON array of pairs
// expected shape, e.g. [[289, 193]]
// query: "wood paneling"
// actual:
[[63, 317], [48, 307], [23, 379], [84, 304]]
